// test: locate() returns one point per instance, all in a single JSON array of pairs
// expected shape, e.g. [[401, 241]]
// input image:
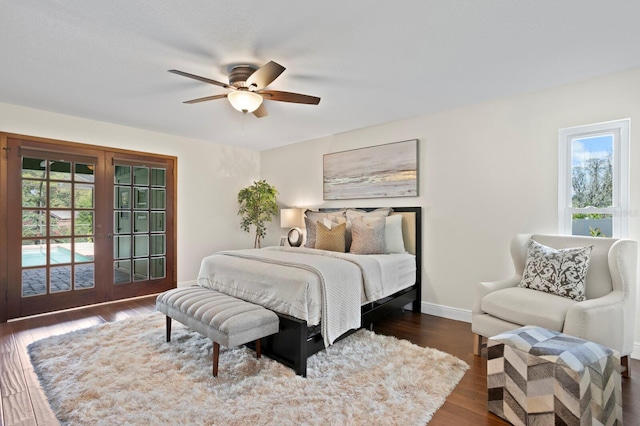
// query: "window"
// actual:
[[593, 179]]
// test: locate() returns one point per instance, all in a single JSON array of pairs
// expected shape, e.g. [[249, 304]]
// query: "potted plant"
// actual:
[[257, 206]]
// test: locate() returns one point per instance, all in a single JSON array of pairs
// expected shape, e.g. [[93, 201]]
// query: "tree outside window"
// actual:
[[593, 196]]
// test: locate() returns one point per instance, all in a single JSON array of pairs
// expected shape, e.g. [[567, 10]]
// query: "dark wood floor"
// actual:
[[23, 402]]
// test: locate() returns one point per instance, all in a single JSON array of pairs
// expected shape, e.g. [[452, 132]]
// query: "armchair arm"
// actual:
[[486, 287], [600, 320]]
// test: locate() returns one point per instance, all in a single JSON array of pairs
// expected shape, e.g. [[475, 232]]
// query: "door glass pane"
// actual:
[[122, 271], [141, 176], [158, 267], [141, 198], [157, 199], [84, 172], [84, 276], [60, 195], [60, 278], [122, 247], [34, 168], [34, 193], [157, 244], [122, 175], [34, 223], [141, 222], [60, 170], [157, 222], [33, 254], [60, 251], [83, 250], [59, 223], [122, 197], [83, 196], [158, 177], [84, 222], [122, 222], [141, 269], [140, 245], [34, 282]]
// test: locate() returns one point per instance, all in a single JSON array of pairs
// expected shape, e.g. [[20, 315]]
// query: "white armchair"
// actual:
[[607, 316]]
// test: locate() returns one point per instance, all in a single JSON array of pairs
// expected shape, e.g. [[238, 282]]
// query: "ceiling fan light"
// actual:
[[244, 100]]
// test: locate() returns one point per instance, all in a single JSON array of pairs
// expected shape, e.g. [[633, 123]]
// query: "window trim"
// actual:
[[620, 208]]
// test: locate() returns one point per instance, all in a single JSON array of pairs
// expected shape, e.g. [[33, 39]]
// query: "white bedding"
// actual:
[[298, 291]]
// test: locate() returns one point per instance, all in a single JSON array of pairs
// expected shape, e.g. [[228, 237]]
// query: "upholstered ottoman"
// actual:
[[226, 320], [541, 377]]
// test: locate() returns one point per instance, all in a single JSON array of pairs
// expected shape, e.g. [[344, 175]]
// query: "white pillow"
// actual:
[[393, 239], [393, 234], [332, 223]]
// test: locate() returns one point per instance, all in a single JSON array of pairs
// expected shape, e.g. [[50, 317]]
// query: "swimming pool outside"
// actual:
[[37, 255]]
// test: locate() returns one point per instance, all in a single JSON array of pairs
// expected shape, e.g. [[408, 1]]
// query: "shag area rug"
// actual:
[[124, 373]]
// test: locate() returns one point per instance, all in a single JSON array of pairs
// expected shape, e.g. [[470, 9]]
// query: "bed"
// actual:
[[319, 294]]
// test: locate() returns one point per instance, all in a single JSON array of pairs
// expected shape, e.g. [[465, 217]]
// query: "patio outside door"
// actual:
[[85, 225]]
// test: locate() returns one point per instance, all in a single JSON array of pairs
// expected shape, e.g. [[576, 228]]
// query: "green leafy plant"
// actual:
[[596, 232], [257, 206]]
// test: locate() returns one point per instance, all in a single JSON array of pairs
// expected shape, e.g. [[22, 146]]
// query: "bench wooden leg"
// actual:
[[168, 328], [258, 349], [477, 344], [216, 355]]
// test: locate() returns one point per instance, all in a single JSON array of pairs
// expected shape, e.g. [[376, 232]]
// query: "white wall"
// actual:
[[209, 176], [487, 171]]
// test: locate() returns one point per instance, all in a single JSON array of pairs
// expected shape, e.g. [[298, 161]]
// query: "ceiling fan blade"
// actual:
[[296, 98], [264, 75], [261, 111], [203, 79], [206, 98]]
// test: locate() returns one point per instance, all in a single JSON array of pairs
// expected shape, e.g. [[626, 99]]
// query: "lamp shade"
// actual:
[[291, 218], [244, 100]]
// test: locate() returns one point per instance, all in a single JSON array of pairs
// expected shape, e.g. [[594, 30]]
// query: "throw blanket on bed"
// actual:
[[340, 281]]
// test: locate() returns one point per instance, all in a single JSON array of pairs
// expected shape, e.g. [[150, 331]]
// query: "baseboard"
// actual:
[[446, 312], [635, 354]]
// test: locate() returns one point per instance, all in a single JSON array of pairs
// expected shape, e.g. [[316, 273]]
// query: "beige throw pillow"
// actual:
[[368, 238]]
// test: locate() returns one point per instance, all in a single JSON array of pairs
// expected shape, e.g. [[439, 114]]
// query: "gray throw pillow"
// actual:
[[558, 271]]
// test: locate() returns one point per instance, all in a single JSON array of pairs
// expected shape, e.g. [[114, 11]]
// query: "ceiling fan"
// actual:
[[247, 88]]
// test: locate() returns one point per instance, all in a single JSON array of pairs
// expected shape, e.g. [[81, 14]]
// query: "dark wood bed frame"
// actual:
[[291, 346]]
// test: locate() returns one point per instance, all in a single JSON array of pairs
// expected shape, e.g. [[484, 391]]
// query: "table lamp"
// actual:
[[292, 218]]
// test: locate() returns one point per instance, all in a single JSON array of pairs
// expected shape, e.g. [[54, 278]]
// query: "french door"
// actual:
[[85, 225]]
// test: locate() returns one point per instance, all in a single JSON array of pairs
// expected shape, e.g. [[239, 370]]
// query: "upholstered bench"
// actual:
[[226, 320], [538, 376]]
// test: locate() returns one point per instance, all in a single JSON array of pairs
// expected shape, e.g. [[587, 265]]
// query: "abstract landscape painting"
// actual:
[[389, 170]]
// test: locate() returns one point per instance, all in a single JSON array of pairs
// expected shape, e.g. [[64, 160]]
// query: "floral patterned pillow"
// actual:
[[557, 271]]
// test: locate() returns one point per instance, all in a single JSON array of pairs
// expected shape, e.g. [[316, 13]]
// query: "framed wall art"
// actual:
[[389, 170]]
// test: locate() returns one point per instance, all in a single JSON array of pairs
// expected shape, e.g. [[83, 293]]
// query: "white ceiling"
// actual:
[[370, 61]]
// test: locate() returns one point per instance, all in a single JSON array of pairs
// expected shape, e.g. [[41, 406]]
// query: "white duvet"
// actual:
[[308, 284]]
